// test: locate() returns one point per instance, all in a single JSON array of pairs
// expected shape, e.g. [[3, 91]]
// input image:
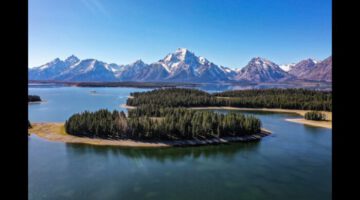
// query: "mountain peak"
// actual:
[[311, 60], [180, 55], [182, 50], [259, 59], [261, 70], [261, 62], [183, 54], [72, 59], [138, 62], [56, 60]]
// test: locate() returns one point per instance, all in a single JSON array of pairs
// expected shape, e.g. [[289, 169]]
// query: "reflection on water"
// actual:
[[166, 154]]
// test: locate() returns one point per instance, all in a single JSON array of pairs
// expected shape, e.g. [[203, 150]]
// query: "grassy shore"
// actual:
[[56, 132]]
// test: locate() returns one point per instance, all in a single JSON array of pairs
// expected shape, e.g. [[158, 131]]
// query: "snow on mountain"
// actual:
[[51, 69], [184, 65], [287, 67], [87, 70], [181, 66], [262, 70]]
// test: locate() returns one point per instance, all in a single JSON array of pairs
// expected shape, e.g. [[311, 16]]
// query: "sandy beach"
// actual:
[[56, 132], [323, 124]]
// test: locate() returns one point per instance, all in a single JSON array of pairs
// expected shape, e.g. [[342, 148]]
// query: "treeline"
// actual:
[[280, 98], [33, 98], [315, 115], [176, 124], [257, 98], [174, 97]]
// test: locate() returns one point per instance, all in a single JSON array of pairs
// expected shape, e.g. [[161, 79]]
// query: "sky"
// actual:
[[228, 33]]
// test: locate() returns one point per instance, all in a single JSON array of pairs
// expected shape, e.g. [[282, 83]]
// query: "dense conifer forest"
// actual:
[[174, 125], [315, 115], [33, 98], [256, 98]]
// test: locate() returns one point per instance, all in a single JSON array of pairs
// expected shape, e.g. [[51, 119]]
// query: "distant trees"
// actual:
[[280, 98], [33, 98], [315, 115], [174, 97], [175, 124], [256, 98]]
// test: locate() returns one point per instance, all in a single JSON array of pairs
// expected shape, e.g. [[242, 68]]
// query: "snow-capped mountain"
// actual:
[[180, 66], [184, 65], [310, 69], [87, 70], [74, 69], [52, 69], [262, 70]]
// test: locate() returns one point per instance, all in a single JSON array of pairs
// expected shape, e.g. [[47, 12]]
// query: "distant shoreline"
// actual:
[[56, 132]]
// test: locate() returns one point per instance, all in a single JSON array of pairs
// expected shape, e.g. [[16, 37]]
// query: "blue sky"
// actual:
[[228, 33]]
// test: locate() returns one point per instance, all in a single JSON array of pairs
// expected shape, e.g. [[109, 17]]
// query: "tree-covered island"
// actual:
[[163, 115], [174, 124]]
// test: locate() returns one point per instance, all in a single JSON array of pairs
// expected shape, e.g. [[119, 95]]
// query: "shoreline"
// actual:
[[127, 107], [278, 110], [323, 124], [36, 102], [55, 132]]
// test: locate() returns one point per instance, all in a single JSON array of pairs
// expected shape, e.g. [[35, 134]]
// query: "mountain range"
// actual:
[[181, 66]]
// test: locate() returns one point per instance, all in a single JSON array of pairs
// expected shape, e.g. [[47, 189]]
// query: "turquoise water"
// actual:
[[293, 163]]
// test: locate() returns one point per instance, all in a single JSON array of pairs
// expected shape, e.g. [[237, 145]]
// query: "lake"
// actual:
[[292, 163]]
